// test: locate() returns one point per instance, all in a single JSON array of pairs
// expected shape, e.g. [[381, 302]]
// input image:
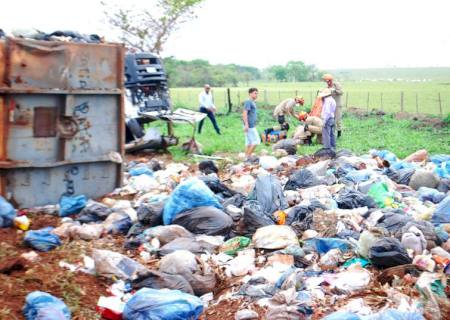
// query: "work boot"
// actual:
[[339, 133]]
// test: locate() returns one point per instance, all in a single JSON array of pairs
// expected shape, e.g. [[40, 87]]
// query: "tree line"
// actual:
[[196, 73]]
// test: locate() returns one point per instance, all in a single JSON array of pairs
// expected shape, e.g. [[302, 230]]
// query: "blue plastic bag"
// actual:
[[137, 171], [342, 315], [358, 176], [43, 306], [42, 239], [443, 165], [386, 155], [162, 304], [189, 194], [392, 314], [71, 205], [442, 212], [7, 213], [430, 194], [323, 245]]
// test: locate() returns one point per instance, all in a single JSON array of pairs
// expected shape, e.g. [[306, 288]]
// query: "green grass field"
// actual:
[[417, 96], [360, 135]]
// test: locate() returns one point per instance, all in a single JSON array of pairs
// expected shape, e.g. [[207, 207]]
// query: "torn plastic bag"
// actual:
[[208, 167], [429, 194], [93, 212], [444, 185], [216, 186], [69, 205], [323, 245], [302, 178], [254, 217], [427, 230], [161, 280], [423, 178], [388, 252], [299, 213], [441, 213], [42, 240], [233, 245], [357, 176], [402, 176], [205, 220], [136, 229], [380, 193], [109, 263], [237, 200], [289, 145], [7, 213], [166, 234], [184, 263], [151, 214], [342, 315], [43, 306], [121, 225], [393, 220], [162, 305], [138, 170], [351, 199], [413, 239], [325, 153], [269, 194], [189, 194], [274, 237], [189, 244]]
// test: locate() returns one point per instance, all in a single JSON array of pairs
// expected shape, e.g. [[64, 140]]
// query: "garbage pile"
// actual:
[[333, 236]]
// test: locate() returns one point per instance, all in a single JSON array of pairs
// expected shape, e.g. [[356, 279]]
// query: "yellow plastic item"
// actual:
[[22, 222], [280, 217]]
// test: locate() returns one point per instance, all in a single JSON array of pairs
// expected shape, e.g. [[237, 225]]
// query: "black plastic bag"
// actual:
[[351, 199], [402, 176], [217, 187], [269, 194], [160, 280], [205, 220], [254, 217], [150, 214], [302, 178], [93, 212], [325, 153], [388, 252], [237, 200], [207, 167], [289, 145], [300, 212], [393, 220]]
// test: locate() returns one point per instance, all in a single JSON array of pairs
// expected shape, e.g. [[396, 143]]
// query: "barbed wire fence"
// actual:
[[432, 103]]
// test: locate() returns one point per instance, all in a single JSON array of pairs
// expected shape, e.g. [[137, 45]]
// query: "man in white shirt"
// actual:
[[207, 106]]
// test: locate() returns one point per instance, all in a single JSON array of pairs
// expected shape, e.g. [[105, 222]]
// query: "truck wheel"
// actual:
[[136, 129]]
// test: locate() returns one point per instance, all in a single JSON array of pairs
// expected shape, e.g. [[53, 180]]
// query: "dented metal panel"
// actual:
[[61, 110]]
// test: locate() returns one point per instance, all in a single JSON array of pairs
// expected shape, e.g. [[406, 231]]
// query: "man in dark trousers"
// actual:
[[207, 106]]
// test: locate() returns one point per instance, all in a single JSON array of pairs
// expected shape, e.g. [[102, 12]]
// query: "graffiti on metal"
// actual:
[[83, 137], [68, 180]]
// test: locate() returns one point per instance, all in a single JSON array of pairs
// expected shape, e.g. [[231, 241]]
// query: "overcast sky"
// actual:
[[330, 34]]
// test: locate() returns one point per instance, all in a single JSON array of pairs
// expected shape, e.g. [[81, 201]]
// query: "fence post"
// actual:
[[296, 93], [440, 104], [401, 101], [381, 100], [266, 102], [417, 103], [229, 100], [279, 95], [239, 98], [311, 98], [346, 100], [368, 100]]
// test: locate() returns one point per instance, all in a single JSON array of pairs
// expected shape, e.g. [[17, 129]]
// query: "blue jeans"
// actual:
[[328, 139], [211, 117]]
